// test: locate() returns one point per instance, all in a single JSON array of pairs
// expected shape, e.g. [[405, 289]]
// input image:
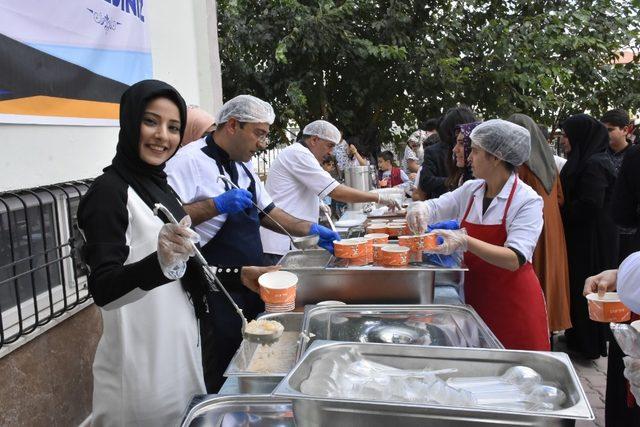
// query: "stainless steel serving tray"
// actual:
[[321, 277], [321, 411], [257, 382], [238, 410], [439, 325]]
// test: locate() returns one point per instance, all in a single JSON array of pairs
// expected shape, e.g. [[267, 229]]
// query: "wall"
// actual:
[[184, 49], [48, 381]]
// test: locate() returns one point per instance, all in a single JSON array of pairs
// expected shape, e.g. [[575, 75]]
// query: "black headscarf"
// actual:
[[587, 137], [149, 181]]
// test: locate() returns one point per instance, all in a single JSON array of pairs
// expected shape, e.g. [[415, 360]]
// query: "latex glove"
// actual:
[[632, 373], [175, 246], [601, 283], [388, 200], [232, 201], [419, 215], [450, 224], [453, 240], [249, 276], [327, 236]]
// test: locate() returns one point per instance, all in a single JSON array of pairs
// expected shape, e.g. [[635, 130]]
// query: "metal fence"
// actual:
[[41, 276]]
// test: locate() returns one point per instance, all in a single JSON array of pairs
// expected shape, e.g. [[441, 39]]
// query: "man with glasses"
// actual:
[[297, 181], [227, 221]]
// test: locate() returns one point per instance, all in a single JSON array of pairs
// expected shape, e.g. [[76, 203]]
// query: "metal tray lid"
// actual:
[[238, 410], [552, 366], [440, 325]]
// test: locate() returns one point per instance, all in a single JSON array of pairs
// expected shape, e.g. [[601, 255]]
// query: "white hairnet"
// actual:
[[505, 140], [324, 130], [418, 137], [246, 108]]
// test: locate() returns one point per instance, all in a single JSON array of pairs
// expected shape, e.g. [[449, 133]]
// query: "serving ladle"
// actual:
[[325, 210], [260, 338], [304, 242]]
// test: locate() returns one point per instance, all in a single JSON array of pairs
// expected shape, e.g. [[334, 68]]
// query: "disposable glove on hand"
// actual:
[[175, 246], [389, 201], [632, 373], [453, 240], [327, 236], [233, 201], [451, 224], [419, 216]]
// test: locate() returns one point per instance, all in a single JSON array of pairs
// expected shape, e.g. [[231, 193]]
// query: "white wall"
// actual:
[[184, 47]]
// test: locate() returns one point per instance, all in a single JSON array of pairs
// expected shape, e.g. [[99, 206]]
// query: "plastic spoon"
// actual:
[[305, 242], [266, 338]]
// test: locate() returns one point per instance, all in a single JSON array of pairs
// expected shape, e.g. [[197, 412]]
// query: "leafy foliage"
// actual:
[[364, 64]]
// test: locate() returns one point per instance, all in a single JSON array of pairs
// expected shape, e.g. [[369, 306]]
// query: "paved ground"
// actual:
[[593, 376]]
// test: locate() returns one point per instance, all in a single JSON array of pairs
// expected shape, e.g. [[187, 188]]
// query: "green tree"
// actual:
[[366, 64]]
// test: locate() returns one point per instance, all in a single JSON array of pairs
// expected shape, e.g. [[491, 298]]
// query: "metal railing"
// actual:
[[41, 276]]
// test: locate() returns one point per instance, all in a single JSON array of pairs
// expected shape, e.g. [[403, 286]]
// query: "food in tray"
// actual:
[[264, 327], [276, 358]]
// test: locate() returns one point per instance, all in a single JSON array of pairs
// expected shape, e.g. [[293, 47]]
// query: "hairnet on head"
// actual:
[[324, 130], [505, 140], [418, 137], [246, 108]]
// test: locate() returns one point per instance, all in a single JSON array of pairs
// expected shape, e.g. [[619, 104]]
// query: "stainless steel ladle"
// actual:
[[304, 242], [213, 280]]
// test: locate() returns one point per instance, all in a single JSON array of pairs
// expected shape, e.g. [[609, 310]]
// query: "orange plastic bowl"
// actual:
[[430, 241], [608, 308], [278, 287], [395, 255], [358, 262], [376, 228], [395, 230], [350, 248], [415, 243], [377, 253]]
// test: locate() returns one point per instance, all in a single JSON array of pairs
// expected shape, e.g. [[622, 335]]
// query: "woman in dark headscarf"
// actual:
[[587, 178], [438, 162], [461, 152], [550, 256], [148, 362]]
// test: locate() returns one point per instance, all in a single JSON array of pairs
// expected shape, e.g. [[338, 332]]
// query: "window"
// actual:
[[41, 277]]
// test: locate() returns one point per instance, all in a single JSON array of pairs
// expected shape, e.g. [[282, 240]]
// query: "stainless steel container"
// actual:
[[261, 382], [257, 410], [438, 325], [358, 177], [320, 279], [321, 411]]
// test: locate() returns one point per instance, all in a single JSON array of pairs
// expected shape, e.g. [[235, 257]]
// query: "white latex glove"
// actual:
[[389, 201], [454, 240], [632, 373], [175, 246], [419, 216]]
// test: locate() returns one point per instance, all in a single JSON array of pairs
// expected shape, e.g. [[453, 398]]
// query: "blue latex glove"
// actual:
[[451, 224], [233, 201], [327, 236]]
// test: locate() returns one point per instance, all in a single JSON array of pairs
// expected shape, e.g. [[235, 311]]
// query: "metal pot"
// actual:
[[360, 178]]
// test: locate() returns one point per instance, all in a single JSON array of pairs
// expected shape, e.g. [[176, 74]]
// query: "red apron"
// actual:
[[510, 302]]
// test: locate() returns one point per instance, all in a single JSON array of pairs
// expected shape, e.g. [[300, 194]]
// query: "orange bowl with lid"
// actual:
[[608, 308]]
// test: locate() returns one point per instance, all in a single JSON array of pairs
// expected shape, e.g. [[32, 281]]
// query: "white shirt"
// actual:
[[295, 181], [560, 161], [629, 282], [524, 219], [194, 177]]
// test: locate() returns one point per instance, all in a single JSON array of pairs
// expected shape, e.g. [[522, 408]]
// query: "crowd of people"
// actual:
[[536, 233]]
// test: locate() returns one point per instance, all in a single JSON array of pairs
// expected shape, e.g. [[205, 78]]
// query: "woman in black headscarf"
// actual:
[[587, 179], [148, 363]]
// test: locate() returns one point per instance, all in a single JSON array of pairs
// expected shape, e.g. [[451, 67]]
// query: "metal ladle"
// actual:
[[325, 210], [304, 242], [213, 280]]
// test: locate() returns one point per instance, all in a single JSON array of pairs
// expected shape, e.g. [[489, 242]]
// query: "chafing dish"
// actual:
[[440, 325], [321, 411], [238, 410]]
